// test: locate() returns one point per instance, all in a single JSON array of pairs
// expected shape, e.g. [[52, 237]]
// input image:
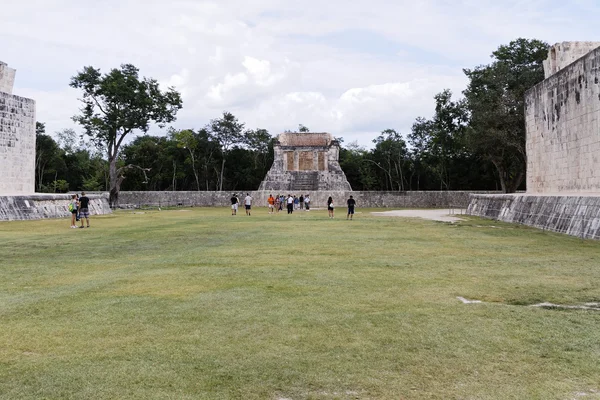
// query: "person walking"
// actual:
[[301, 202], [307, 202], [290, 204], [248, 203], [296, 203], [84, 211], [351, 203], [234, 204], [330, 206], [73, 205], [271, 203]]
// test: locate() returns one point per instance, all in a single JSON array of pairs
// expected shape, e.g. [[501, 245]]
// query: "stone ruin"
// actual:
[[562, 116], [305, 162], [18, 200], [17, 138], [562, 121]]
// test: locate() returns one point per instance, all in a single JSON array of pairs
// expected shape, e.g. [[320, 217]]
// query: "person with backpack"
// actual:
[[73, 207]]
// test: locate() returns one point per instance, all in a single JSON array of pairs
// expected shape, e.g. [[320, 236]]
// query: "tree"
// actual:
[[48, 158], [226, 130], [303, 129], [186, 139], [496, 101], [117, 103], [447, 135], [390, 156]]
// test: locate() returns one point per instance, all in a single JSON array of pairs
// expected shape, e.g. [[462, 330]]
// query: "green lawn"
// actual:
[[196, 304]]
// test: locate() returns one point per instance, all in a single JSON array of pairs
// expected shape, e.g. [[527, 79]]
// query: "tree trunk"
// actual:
[[174, 180], [113, 197], [515, 183], [222, 169]]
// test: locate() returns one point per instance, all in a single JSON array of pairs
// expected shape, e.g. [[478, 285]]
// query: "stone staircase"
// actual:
[[306, 181]]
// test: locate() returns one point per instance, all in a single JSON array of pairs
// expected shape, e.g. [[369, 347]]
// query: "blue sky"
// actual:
[[352, 68]]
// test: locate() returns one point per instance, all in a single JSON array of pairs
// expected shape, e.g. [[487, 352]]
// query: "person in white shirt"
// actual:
[[248, 203], [290, 204]]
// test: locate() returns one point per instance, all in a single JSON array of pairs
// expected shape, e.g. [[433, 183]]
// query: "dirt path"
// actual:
[[436, 215]]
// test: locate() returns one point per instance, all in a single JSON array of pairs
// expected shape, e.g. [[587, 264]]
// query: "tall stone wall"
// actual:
[[573, 215], [458, 199], [563, 129], [17, 139]]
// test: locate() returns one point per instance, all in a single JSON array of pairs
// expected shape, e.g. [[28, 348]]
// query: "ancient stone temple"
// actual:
[[306, 162], [17, 138]]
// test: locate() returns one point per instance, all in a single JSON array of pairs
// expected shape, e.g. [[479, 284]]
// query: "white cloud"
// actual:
[[277, 64]]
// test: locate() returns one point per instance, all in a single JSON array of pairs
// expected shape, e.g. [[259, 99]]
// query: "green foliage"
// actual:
[[474, 143], [228, 132], [59, 186], [496, 101], [117, 103]]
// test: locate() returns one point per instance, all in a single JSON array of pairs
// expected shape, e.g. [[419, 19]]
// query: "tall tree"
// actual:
[[226, 130], [186, 139], [117, 103], [390, 156], [48, 158], [496, 101]]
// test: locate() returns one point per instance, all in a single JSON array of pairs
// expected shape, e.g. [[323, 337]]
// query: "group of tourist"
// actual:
[[292, 202], [79, 207]]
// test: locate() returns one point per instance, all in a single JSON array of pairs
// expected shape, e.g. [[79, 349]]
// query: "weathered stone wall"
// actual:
[[7, 78], [318, 199], [562, 54], [573, 215], [40, 206], [17, 139], [563, 130]]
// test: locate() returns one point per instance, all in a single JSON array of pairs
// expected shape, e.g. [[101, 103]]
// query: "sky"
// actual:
[[349, 67]]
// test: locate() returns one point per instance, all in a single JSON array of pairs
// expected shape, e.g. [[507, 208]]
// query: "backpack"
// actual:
[[71, 207]]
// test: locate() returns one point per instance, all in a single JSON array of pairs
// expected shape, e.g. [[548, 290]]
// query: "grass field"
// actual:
[[196, 304]]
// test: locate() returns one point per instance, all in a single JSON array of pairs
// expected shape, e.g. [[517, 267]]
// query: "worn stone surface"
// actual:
[[305, 162], [563, 129], [562, 54], [39, 206], [7, 78], [318, 198], [573, 215], [17, 139]]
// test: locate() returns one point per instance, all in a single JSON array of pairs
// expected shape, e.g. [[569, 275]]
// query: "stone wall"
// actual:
[[40, 206], [562, 54], [573, 215], [7, 78], [563, 129], [318, 199], [17, 140]]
